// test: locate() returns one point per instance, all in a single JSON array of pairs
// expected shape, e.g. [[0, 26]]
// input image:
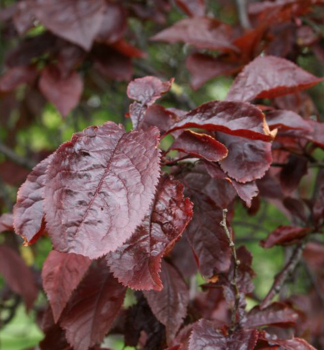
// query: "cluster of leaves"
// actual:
[[124, 213]]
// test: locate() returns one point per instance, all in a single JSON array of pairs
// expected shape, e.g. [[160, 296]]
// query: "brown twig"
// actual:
[[10, 154], [242, 13], [284, 274], [235, 271]]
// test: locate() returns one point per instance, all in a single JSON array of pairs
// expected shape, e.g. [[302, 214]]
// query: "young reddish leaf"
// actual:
[[6, 222], [170, 304], [61, 274], [287, 120], [193, 8], [205, 336], [127, 49], [17, 76], [293, 344], [84, 19], [113, 24], [64, 93], [201, 32], [281, 77], [18, 276], [92, 308], [137, 263], [274, 314], [235, 118], [29, 210], [245, 191], [285, 235], [247, 160], [200, 145], [99, 187], [145, 91], [203, 68], [207, 238]]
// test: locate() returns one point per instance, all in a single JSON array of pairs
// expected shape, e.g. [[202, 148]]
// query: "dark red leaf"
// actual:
[[281, 77], [235, 118], [145, 91], [170, 304], [137, 263], [292, 172], [203, 68], [205, 336], [207, 237], [274, 314], [17, 76], [201, 32], [200, 145], [29, 209], [84, 19], [6, 222], [113, 24], [18, 276], [193, 8], [96, 199], [286, 344], [245, 191], [285, 235], [287, 120], [111, 63], [127, 49], [92, 308], [61, 274], [247, 159], [24, 16], [64, 93]]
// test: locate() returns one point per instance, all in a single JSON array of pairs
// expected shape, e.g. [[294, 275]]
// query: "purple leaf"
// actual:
[[203, 68], [64, 93], [61, 274], [200, 145], [205, 336], [6, 222], [92, 308], [247, 160], [285, 235], [98, 188], [84, 19], [17, 76], [137, 263], [29, 210], [235, 118], [193, 8], [201, 32], [170, 304], [18, 276], [281, 77], [287, 120]]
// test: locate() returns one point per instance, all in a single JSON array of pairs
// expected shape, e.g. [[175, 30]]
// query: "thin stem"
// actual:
[[285, 273], [10, 154], [243, 15], [234, 283]]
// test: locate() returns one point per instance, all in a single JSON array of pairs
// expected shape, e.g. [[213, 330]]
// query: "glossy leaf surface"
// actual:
[[206, 336], [95, 200], [29, 209], [200, 145], [137, 263], [235, 118], [281, 77]]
